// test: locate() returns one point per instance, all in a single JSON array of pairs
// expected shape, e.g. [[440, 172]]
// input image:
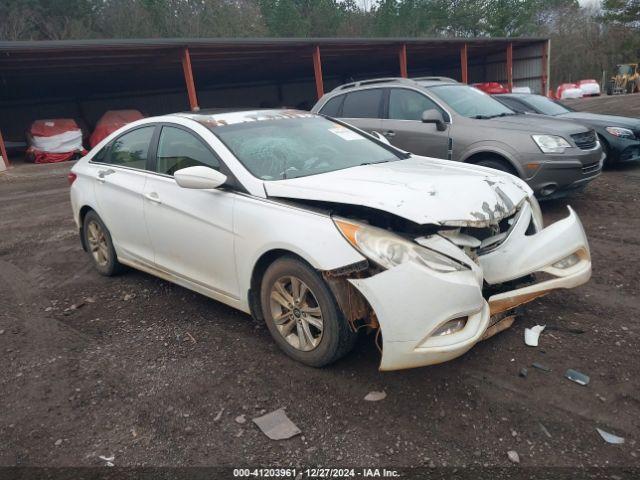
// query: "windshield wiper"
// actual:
[[487, 117]]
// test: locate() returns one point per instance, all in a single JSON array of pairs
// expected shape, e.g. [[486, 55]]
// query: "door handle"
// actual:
[[153, 197], [389, 133], [104, 173]]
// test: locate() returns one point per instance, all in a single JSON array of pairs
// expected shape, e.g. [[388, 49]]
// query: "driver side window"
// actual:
[[409, 105], [179, 149]]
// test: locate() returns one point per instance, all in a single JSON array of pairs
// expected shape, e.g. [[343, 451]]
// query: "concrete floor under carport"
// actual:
[[84, 79]]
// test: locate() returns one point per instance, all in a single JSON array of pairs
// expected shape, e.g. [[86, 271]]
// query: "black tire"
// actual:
[[336, 340], [497, 164], [110, 266]]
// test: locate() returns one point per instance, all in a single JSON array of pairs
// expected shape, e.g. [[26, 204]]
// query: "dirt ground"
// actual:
[[156, 375]]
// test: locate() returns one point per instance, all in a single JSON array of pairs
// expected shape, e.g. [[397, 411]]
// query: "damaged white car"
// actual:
[[323, 231]]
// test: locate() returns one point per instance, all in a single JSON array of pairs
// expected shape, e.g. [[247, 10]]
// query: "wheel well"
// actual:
[[479, 156], [259, 268], [83, 213]]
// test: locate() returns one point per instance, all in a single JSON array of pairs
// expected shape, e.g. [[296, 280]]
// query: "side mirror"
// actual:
[[434, 116], [199, 177]]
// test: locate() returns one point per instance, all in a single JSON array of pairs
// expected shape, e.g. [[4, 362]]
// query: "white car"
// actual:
[[322, 231]]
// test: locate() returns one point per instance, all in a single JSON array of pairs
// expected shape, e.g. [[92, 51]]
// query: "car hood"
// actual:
[[603, 120], [419, 189], [533, 123]]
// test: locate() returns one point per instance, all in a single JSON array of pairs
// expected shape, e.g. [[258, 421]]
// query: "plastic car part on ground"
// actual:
[[55, 140], [532, 334], [112, 121], [490, 87]]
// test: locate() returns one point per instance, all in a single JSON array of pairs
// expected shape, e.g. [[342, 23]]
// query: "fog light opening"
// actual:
[[452, 326], [548, 190], [567, 262]]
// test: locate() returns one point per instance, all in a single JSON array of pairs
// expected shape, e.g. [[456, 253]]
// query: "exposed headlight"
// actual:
[[389, 250], [551, 143], [567, 262], [538, 221], [620, 132], [452, 326]]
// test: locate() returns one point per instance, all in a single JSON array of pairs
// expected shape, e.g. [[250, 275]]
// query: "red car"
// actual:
[[491, 88]]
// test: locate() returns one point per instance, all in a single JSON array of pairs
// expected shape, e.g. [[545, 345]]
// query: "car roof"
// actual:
[[227, 116]]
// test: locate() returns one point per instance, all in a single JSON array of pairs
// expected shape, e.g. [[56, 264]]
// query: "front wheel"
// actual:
[[302, 315], [497, 164]]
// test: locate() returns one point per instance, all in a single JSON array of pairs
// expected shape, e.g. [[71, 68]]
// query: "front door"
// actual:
[[403, 125], [191, 230]]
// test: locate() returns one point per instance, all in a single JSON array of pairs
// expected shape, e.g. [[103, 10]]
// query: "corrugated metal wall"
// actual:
[[527, 68]]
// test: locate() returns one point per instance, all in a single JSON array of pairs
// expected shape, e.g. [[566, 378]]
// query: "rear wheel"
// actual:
[[302, 315], [98, 242]]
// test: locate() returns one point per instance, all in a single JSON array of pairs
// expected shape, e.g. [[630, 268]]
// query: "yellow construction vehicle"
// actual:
[[626, 79]]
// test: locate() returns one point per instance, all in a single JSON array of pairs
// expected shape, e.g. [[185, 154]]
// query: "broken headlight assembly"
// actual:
[[551, 143], [389, 250]]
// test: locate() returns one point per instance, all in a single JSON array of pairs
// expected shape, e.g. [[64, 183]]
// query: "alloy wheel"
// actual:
[[296, 313], [98, 243]]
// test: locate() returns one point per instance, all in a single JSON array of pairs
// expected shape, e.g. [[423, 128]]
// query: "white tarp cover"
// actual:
[[70, 141]]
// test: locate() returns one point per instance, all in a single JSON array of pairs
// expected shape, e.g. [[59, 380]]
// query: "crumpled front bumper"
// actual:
[[411, 301]]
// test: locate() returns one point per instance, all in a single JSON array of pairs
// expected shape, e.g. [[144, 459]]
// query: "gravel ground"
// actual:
[[156, 375]]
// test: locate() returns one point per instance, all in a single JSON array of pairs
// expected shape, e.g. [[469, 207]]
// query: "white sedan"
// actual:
[[323, 231]]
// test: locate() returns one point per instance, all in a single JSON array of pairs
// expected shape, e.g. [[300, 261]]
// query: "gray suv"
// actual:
[[456, 122]]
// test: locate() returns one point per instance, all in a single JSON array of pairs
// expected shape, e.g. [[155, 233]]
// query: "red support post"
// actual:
[[545, 74], [188, 78], [510, 66], [402, 55], [317, 71], [3, 151], [463, 63]]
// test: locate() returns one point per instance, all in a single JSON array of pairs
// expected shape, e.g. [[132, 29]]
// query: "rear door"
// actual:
[[120, 177], [403, 125], [191, 230], [363, 108]]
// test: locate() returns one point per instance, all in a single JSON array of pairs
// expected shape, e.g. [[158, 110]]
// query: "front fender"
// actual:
[[498, 148]]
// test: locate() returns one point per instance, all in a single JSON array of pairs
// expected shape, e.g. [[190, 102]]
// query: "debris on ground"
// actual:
[[578, 377], [191, 337], [513, 456], [610, 437], [523, 372], [241, 419], [276, 425], [129, 296], [108, 460], [540, 366], [58, 442], [219, 415], [531, 335], [375, 396], [544, 430]]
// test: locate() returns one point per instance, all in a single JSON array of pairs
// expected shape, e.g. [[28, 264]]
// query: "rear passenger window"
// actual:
[[131, 149], [363, 104], [179, 149], [332, 107], [408, 105]]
